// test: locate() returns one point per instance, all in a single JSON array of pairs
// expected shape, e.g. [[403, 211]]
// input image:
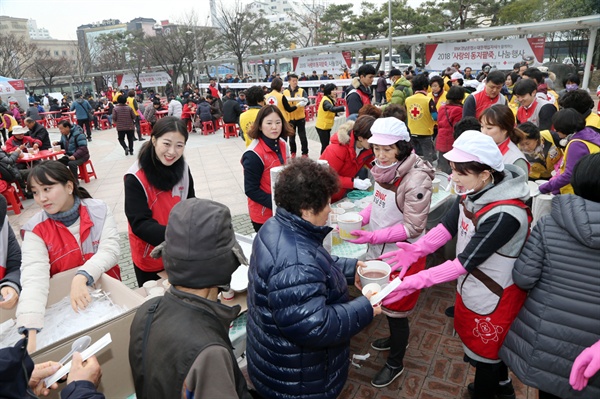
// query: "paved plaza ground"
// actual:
[[433, 364]]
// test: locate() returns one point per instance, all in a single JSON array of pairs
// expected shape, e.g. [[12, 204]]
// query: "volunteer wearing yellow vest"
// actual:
[[276, 98], [134, 106], [326, 115], [256, 99], [7, 122], [422, 115], [582, 102], [297, 117], [539, 150], [579, 140]]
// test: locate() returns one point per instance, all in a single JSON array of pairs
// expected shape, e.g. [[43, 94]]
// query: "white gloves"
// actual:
[[362, 184], [302, 103]]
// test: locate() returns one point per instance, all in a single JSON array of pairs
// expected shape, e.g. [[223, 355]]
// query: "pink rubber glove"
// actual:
[[585, 366], [447, 271], [389, 234], [410, 253], [366, 215]]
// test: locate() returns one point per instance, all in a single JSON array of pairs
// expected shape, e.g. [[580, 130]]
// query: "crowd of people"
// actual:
[[527, 296]]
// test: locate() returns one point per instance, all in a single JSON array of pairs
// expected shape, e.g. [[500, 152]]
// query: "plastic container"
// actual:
[[376, 272], [347, 223]]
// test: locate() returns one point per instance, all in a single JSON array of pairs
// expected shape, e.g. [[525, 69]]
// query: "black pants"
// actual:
[[443, 164], [73, 165], [546, 395], [3, 132], [129, 134], [88, 127], [399, 332], [143, 276], [256, 226], [324, 138], [487, 378], [300, 127], [138, 127], [424, 147]]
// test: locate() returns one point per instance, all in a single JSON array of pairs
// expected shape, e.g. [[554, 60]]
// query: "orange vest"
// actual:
[[64, 252], [160, 203], [258, 212]]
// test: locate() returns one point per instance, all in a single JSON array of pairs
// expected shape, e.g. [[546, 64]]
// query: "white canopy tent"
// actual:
[[13, 90]]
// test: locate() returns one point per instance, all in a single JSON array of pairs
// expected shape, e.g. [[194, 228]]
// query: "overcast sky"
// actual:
[[62, 17]]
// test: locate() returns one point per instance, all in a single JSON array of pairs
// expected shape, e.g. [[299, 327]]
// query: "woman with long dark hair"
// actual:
[[267, 150], [158, 180], [72, 230]]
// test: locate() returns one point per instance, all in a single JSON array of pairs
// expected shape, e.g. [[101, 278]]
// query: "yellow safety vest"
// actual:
[[130, 101], [420, 122], [325, 119], [592, 148], [299, 112], [276, 98]]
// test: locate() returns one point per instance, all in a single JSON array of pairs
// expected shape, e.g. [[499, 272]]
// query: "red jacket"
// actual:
[[448, 116], [188, 113], [12, 144], [341, 155]]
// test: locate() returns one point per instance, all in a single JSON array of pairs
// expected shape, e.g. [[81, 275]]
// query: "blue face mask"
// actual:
[[571, 86]]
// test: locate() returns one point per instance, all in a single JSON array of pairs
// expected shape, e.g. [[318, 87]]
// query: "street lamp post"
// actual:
[[189, 32], [390, 30]]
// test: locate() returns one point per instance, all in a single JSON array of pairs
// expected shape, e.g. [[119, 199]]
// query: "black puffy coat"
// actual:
[[560, 266], [300, 316]]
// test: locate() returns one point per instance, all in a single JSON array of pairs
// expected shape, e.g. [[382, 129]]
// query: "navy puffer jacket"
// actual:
[[300, 316]]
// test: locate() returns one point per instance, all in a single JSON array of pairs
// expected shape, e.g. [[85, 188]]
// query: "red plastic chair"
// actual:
[[207, 128], [85, 174], [230, 130], [104, 125], [219, 124], [12, 200], [146, 128]]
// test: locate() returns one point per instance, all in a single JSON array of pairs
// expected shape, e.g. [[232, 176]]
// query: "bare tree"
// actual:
[[47, 68], [238, 27], [307, 17], [15, 55]]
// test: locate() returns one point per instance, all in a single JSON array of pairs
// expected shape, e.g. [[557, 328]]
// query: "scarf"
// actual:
[[67, 217]]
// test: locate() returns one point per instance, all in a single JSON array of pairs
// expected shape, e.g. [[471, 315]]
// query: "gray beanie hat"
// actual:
[[200, 248]]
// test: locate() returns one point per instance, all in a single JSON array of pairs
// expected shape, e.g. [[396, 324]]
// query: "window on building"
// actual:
[[64, 52], [56, 53]]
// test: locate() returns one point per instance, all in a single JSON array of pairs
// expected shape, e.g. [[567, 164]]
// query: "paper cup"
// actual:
[[148, 285], [347, 223], [373, 288], [227, 295], [56, 148], [377, 272], [347, 206], [435, 185], [156, 291], [333, 215]]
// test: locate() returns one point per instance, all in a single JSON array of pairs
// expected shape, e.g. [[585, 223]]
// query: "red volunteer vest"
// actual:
[[484, 333], [483, 102], [363, 97], [64, 252], [259, 213], [160, 203]]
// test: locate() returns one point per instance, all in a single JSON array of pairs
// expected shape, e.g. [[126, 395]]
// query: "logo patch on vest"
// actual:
[[464, 228], [379, 199], [486, 330], [272, 101], [415, 111]]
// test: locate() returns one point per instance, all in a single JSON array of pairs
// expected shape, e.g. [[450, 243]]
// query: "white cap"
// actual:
[[476, 146], [388, 131], [19, 130], [456, 76]]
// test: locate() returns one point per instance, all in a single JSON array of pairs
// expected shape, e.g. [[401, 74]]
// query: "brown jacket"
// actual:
[[413, 195]]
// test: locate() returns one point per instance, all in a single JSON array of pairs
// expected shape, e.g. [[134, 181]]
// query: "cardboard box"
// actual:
[[117, 381]]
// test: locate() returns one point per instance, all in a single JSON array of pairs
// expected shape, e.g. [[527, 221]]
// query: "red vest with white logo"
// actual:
[[160, 203], [487, 299], [3, 247], [64, 253], [260, 213]]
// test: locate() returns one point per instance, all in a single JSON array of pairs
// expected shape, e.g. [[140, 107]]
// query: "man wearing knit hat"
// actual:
[[179, 342]]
